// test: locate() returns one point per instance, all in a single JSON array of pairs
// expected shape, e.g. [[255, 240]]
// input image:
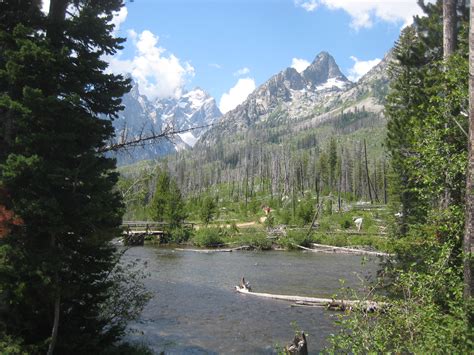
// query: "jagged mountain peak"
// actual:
[[307, 98], [322, 69]]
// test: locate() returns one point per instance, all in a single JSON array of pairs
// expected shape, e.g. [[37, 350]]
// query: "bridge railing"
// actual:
[[147, 226]]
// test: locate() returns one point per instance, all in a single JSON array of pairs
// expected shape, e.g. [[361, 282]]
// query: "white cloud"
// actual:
[[361, 67], [365, 12], [242, 71], [215, 65], [308, 5], [158, 74], [299, 64], [119, 18], [45, 6], [236, 94]]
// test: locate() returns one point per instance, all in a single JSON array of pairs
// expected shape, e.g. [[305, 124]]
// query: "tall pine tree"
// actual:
[[56, 106]]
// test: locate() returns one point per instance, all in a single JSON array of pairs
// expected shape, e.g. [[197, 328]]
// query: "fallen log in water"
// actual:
[[242, 247], [330, 303], [350, 250], [322, 248]]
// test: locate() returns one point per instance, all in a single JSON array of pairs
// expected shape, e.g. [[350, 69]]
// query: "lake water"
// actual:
[[195, 309]]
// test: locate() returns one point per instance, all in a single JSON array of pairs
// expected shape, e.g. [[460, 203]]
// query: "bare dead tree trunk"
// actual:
[[449, 28], [449, 45], [469, 224], [384, 183], [374, 182], [367, 172]]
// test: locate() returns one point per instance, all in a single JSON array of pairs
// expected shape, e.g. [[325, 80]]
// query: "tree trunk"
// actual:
[[384, 183], [367, 172], [449, 27], [469, 224], [54, 333], [449, 45], [57, 302]]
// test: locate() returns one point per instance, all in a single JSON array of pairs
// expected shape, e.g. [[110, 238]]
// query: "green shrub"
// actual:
[[416, 322], [270, 221], [255, 239], [234, 228], [346, 224], [208, 237], [284, 216], [295, 237], [180, 235], [305, 212]]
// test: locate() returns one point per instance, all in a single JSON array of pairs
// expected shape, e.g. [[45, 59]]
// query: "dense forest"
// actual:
[[62, 288]]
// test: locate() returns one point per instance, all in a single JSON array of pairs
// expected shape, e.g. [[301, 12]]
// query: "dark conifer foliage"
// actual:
[[426, 108], [56, 106]]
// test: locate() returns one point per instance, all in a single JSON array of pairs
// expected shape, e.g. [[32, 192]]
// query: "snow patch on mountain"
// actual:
[[188, 138], [332, 83]]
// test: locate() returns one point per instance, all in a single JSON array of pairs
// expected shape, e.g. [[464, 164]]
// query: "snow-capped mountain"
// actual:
[[194, 108], [287, 96]]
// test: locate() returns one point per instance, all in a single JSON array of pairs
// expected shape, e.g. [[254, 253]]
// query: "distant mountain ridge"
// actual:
[[195, 108], [299, 100], [304, 99]]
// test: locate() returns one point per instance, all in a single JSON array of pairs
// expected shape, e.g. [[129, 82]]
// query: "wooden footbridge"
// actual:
[[135, 232]]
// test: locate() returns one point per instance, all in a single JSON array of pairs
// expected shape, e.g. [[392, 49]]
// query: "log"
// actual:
[[350, 250], [242, 247], [330, 303], [322, 248]]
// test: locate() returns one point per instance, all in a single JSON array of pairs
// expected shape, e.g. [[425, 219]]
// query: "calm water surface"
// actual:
[[195, 310]]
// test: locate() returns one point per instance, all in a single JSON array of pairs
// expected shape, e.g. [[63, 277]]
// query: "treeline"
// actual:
[[355, 168]]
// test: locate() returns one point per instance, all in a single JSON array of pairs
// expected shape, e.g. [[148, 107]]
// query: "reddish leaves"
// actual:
[[8, 219]]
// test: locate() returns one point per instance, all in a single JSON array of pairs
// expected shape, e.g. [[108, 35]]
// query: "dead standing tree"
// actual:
[[469, 223]]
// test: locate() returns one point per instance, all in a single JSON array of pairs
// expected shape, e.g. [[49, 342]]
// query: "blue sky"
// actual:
[[227, 47]]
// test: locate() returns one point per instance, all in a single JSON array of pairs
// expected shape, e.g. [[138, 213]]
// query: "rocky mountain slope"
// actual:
[[141, 116], [304, 99]]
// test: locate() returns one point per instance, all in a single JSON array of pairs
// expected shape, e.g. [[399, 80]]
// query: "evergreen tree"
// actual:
[[332, 163], [426, 130], [161, 196], [175, 212], [208, 209], [167, 204], [56, 105], [402, 105]]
